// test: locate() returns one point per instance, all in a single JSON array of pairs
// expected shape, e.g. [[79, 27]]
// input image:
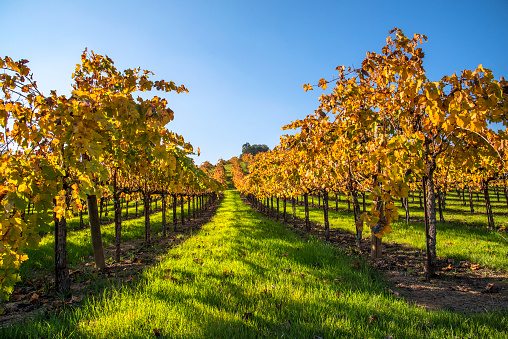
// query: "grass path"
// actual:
[[244, 276]]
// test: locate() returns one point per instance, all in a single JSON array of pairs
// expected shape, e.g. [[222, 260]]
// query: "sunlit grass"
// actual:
[[463, 236], [243, 276]]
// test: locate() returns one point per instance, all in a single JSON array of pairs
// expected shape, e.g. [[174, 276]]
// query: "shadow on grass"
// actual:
[[306, 289], [460, 240], [79, 246]]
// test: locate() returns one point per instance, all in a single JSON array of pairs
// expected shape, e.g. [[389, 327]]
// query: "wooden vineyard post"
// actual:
[[488, 205], [100, 209], [471, 207], [173, 201], [307, 222], [277, 218], [95, 230], [293, 205], [164, 215], [429, 267], [325, 214], [359, 229], [194, 206], [376, 251], [106, 213], [406, 207], [118, 218], [284, 203], [62, 279], [440, 204], [181, 209], [505, 191], [146, 212]]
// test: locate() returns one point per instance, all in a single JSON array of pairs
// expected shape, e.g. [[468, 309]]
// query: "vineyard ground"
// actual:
[[245, 276], [35, 294], [459, 285]]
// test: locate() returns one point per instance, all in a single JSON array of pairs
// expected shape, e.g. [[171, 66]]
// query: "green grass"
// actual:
[[229, 176], [108, 213], [463, 236], [79, 244], [244, 276]]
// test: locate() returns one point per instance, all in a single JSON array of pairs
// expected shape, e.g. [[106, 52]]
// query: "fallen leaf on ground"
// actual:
[[491, 288], [447, 268], [34, 298], [18, 297], [373, 318]]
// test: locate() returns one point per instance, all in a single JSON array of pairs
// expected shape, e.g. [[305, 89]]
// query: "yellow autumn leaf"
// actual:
[[434, 115], [307, 87], [322, 83], [23, 188]]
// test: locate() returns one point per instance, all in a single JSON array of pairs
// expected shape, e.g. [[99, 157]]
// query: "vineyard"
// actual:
[[381, 215]]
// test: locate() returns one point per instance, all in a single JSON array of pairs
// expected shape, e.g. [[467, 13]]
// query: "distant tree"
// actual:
[[254, 149], [245, 148]]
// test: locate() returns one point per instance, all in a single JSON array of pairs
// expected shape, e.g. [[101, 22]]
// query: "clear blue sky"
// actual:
[[244, 62]]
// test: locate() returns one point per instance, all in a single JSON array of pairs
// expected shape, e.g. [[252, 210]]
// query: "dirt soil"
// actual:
[[457, 286], [38, 295]]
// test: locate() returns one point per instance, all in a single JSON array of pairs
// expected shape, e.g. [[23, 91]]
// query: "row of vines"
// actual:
[[62, 155], [385, 130]]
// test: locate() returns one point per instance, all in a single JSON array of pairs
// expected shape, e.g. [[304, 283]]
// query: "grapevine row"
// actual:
[[385, 129], [58, 152]]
